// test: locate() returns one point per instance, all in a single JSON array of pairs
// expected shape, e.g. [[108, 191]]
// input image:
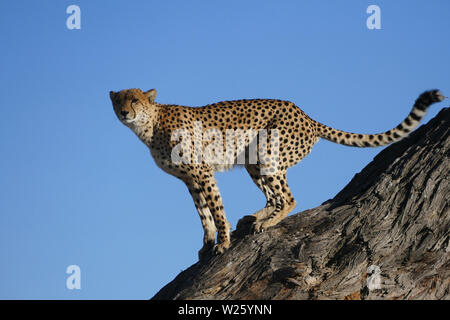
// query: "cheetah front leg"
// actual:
[[206, 191], [206, 218], [215, 205]]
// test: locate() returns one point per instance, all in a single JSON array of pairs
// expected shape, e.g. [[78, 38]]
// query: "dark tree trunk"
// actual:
[[384, 236]]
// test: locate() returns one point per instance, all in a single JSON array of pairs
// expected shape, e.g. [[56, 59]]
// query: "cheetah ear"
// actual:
[[112, 95], [151, 95]]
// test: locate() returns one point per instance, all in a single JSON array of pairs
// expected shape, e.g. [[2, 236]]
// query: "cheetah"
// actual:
[[290, 131]]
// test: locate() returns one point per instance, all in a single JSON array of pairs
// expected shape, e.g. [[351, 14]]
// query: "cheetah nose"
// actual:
[[124, 113]]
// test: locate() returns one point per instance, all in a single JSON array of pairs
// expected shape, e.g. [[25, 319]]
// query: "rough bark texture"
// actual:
[[390, 223]]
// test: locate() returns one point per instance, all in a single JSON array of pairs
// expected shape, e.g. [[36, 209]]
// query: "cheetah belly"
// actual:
[[224, 167]]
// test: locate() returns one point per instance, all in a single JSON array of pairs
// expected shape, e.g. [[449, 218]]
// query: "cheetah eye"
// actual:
[[134, 101]]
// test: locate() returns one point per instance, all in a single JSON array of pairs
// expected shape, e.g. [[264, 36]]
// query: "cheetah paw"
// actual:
[[258, 227], [220, 248]]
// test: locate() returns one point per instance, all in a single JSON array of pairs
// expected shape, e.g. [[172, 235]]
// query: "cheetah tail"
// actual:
[[373, 140]]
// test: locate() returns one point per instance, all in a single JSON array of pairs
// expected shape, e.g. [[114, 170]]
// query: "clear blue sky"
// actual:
[[78, 187]]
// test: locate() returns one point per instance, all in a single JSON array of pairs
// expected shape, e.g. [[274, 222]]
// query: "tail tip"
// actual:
[[433, 96]]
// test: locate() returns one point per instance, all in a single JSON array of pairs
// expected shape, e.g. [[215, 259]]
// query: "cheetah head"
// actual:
[[131, 105]]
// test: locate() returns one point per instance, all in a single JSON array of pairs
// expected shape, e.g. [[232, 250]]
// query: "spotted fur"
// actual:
[[380, 139], [288, 128]]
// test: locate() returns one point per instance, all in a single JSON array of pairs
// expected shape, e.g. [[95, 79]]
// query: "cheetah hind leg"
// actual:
[[282, 200], [274, 218], [244, 225]]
